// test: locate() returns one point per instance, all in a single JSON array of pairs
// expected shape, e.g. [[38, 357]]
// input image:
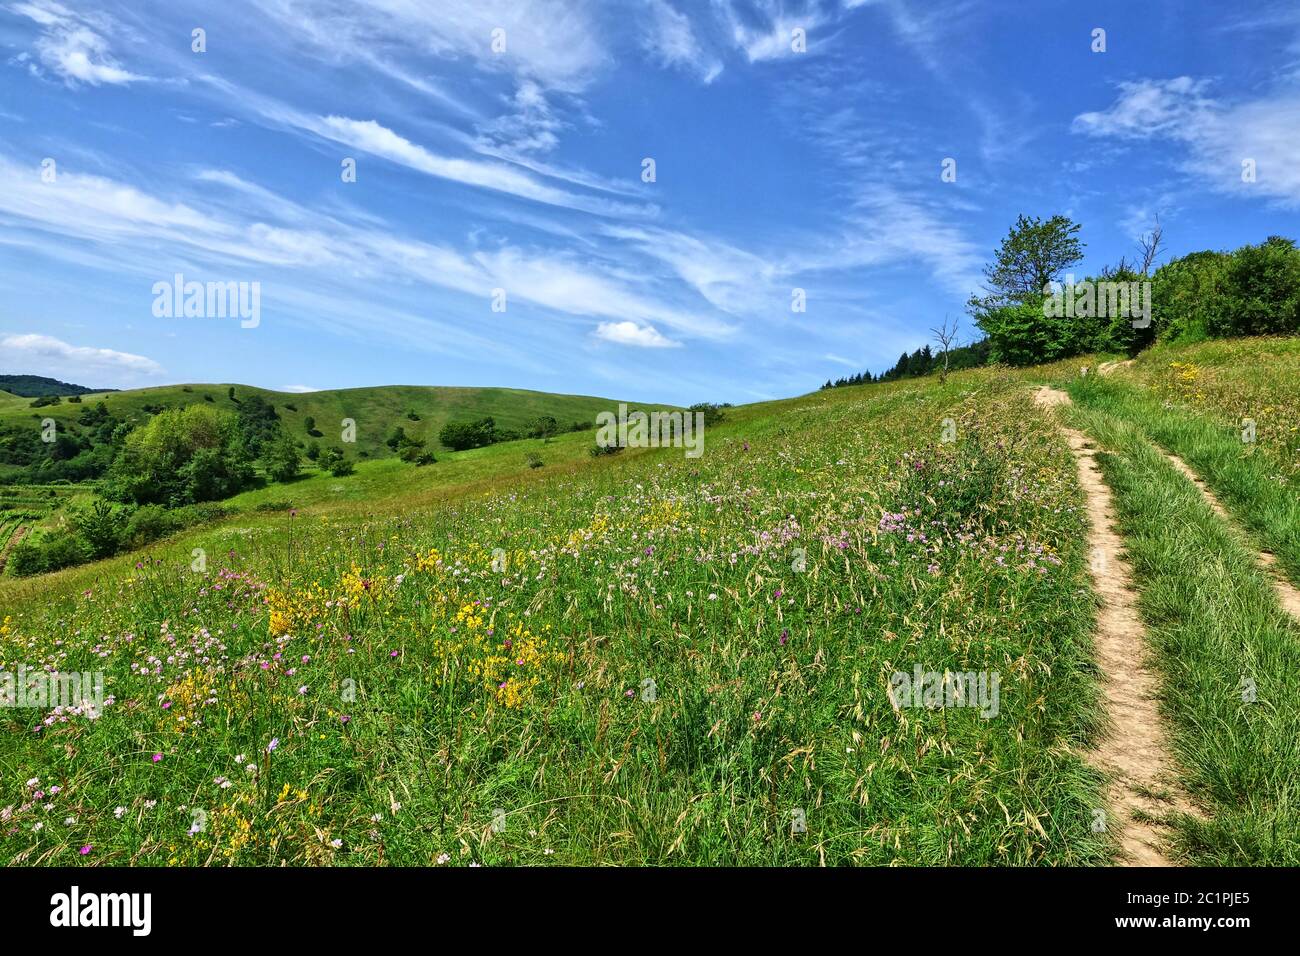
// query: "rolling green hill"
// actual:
[[376, 411]]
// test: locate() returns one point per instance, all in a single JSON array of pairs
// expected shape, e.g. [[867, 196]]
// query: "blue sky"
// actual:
[[521, 169]]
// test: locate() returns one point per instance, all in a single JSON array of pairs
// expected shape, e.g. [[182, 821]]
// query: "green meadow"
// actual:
[[645, 658]]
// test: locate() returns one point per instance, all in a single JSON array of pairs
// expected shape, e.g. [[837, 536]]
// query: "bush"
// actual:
[[1023, 335], [595, 451], [147, 524], [25, 559], [282, 461], [416, 453], [1261, 290], [51, 553], [460, 436], [535, 461], [713, 414], [179, 457], [1187, 296], [333, 461], [99, 527]]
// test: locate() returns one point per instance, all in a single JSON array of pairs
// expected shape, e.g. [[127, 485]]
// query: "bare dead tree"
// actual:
[[1150, 245], [946, 336]]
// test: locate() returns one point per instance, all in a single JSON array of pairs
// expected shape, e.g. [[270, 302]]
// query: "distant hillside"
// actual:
[[36, 386], [419, 410]]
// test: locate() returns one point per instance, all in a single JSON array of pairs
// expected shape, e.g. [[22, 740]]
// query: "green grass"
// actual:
[[1214, 623], [771, 666], [766, 591], [1244, 478]]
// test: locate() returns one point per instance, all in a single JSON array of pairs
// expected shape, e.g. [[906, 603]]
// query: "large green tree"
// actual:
[[181, 456], [1034, 254]]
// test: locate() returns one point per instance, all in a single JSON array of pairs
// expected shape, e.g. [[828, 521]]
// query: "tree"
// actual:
[[332, 460], [1187, 295], [1032, 256], [543, 427], [258, 423], [309, 424], [1262, 290], [282, 461], [1150, 245], [946, 336], [181, 456], [459, 436], [99, 527]]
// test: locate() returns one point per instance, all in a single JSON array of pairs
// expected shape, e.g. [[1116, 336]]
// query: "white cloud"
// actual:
[[670, 41], [371, 137], [135, 228], [73, 45], [557, 42], [729, 278], [629, 333], [1148, 108], [1219, 135], [35, 354], [298, 389], [532, 127], [841, 360]]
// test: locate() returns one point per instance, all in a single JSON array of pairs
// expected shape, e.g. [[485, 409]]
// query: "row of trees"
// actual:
[[460, 436], [924, 361], [1253, 290]]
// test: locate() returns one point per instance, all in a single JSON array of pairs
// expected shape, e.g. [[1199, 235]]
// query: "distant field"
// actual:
[[376, 411]]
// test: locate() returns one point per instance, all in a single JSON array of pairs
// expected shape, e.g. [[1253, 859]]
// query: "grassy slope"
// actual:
[[771, 674], [375, 410], [1214, 624], [651, 566]]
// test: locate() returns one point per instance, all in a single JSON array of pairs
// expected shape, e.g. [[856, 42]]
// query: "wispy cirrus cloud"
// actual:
[[670, 39], [74, 46], [1220, 137]]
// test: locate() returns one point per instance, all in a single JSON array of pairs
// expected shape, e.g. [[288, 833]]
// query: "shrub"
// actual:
[[1261, 290], [51, 553], [459, 436], [282, 461], [148, 523], [535, 461], [713, 414], [1187, 296], [333, 461], [1023, 335], [100, 528], [181, 456]]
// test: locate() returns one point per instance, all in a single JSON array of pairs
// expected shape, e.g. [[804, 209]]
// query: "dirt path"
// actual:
[[19, 533], [1286, 591], [1133, 754]]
